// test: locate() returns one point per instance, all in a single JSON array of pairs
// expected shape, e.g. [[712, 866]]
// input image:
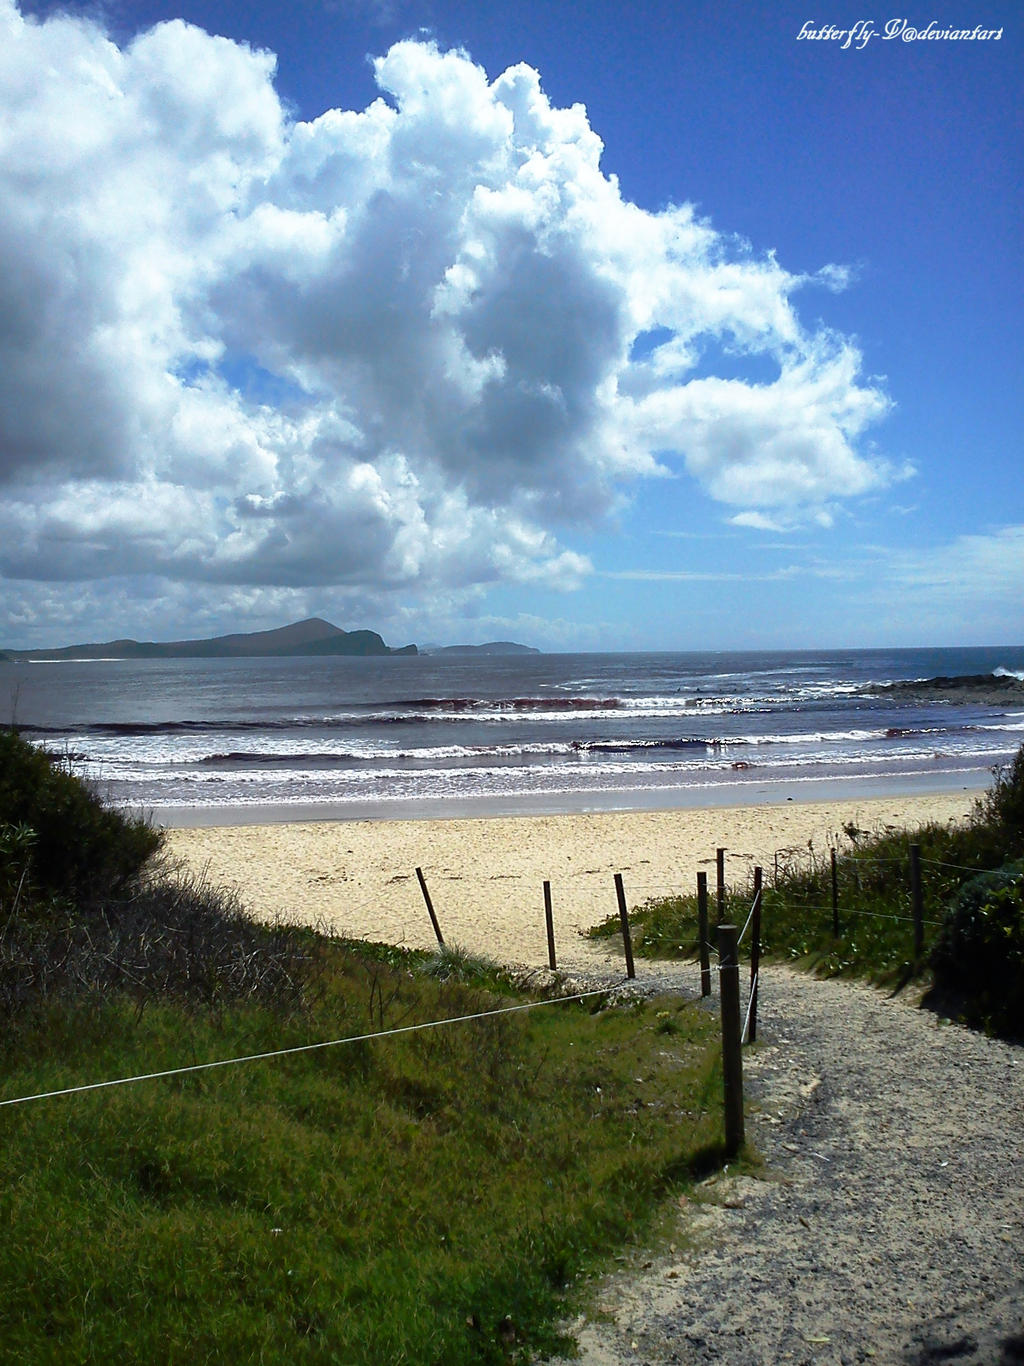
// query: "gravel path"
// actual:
[[887, 1225]]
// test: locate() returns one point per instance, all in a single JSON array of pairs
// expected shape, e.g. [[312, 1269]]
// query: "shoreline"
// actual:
[[746, 790], [485, 873]]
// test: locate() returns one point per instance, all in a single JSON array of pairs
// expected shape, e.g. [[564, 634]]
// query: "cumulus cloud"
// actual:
[[390, 349]]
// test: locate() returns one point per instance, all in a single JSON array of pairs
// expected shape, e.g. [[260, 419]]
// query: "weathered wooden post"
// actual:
[[732, 1050], [550, 924], [917, 899], [627, 940], [720, 883], [703, 934], [430, 907], [835, 894], [755, 957]]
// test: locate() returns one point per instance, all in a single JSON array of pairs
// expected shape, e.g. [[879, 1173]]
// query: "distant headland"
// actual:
[[314, 636], [494, 647]]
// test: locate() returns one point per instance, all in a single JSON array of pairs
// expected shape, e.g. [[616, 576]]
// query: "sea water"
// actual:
[[196, 741]]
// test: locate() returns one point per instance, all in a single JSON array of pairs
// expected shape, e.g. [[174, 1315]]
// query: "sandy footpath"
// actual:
[[886, 1224], [486, 875]]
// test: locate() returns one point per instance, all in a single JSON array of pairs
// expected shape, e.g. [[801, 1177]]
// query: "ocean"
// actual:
[[231, 740]]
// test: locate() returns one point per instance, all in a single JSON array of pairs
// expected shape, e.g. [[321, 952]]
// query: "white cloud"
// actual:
[[387, 350], [790, 444], [758, 521]]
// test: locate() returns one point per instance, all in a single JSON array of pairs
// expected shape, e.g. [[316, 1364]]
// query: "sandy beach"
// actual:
[[485, 875]]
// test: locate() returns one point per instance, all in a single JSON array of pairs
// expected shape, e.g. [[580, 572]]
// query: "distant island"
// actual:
[[313, 636], [494, 647], [988, 689]]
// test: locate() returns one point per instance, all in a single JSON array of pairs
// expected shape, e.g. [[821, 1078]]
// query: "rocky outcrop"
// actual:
[[988, 689]]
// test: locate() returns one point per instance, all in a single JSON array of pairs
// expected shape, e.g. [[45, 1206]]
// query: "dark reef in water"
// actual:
[[988, 689]]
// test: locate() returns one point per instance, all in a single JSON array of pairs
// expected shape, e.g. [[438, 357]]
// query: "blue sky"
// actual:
[[746, 373]]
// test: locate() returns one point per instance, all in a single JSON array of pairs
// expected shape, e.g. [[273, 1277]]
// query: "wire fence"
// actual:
[[643, 892], [304, 1048], [921, 884], [606, 989], [751, 1003], [740, 1027], [749, 921]]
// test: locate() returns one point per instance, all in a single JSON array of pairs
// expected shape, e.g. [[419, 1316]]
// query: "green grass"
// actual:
[[382, 1202]]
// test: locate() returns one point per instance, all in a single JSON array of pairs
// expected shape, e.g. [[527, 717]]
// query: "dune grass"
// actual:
[[433, 1197], [876, 938], [970, 942]]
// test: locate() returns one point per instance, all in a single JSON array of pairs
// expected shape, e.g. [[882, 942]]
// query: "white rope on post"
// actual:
[[750, 1001], [749, 919]]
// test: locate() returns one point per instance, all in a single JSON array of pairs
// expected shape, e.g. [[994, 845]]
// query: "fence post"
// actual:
[[755, 957], [916, 899], [835, 895], [732, 1055], [430, 907], [627, 941], [720, 883], [703, 934], [550, 924]]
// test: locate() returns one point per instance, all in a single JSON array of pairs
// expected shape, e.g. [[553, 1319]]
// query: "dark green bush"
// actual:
[[16, 842], [81, 849], [978, 958], [1002, 806]]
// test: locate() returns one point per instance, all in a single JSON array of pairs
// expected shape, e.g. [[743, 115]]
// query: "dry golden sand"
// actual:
[[486, 875]]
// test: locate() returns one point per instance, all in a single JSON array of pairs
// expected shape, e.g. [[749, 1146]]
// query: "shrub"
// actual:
[[978, 959], [1003, 804], [81, 848]]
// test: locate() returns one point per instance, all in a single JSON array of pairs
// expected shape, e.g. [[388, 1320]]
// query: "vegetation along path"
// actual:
[[887, 1223]]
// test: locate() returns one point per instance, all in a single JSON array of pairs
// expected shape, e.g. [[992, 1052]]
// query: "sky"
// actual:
[[676, 326]]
